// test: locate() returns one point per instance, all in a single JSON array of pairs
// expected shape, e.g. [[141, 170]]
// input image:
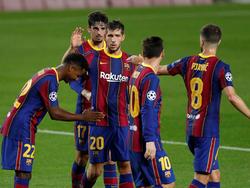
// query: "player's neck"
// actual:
[[97, 44], [153, 62], [209, 51], [114, 52], [60, 71]]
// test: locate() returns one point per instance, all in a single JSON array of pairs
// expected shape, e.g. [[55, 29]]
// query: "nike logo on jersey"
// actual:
[[103, 63]]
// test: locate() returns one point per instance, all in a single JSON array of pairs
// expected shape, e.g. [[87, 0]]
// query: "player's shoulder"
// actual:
[[149, 74], [46, 74], [222, 64]]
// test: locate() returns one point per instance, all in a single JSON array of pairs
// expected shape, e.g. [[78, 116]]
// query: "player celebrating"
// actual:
[[38, 96], [150, 164], [205, 77], [109, 74], [97, 24]]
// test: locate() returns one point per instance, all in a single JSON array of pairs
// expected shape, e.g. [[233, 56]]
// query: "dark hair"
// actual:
[[76, 59], [152, 47], [116, 24], [211, 33], [97, 17]]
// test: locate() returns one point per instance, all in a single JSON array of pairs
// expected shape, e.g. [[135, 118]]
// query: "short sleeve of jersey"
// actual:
[[225, 76], [177, 67], [149, 89], [48, 91]]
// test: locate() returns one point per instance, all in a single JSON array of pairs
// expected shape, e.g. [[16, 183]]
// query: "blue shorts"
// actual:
[[205, 151], [103, 140], [81, 132], [17, 155], [151, 172]]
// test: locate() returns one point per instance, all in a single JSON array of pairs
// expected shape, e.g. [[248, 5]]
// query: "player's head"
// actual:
[[97, 22], [75, 66], [115, 35], [152, 47], [210, 36]]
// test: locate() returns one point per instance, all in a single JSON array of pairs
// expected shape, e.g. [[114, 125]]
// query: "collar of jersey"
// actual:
[[57, 78], [95, 47], [112, 55], [205, 56], [149, 66]]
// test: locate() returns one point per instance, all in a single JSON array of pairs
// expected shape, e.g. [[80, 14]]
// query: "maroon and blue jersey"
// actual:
[[87, 49], [204, 77], [109, 75], [39, 93], [145, 108]]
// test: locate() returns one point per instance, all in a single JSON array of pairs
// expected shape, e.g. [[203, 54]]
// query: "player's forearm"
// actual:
[[148, 124], [62, 115], [162, 70], [239, 104]]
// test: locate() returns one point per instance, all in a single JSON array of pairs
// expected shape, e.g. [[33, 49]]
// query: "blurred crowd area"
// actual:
[[20, 5]]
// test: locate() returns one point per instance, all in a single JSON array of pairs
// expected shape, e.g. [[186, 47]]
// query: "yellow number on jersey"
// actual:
[[165, 163], [81, 128], [97, 143], [196, 86], [24, 90], [27, 153], [134, 106]]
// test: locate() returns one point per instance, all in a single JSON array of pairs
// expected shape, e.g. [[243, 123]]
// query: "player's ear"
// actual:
[[163, 53], [123, 37], [89, 29], [219, 42]]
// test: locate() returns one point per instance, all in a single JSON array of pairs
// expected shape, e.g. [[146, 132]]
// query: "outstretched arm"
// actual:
[[57, 113], [163, 70], [236, 101]]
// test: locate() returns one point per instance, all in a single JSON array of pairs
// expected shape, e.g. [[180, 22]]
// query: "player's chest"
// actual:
[[114, 70]]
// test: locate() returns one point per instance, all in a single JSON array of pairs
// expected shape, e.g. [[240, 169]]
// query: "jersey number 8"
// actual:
[[196, 86]]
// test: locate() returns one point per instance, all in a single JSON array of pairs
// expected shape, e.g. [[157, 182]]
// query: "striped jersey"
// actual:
[[87, 49], [204, 77], [109, 75], [145, 105], [31, 105]]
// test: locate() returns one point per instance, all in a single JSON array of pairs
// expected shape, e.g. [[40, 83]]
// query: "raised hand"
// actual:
[[76, 37], [89, 115]]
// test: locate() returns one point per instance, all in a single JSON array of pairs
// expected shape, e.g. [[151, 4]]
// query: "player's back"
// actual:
[[145, 105], [31, 105], [204, 77], [109, 76]]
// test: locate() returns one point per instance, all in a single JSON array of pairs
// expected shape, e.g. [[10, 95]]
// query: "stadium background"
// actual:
[[32, 40]]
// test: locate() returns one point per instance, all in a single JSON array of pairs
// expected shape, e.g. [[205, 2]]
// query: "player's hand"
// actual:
[[150, 150], [76, 37], [89, 115], [135, 59], [86, 94]]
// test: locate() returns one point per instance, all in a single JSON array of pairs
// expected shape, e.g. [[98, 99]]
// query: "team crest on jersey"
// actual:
[[229, 76], [151, 95], [53, 96], [28, 162], [167, 174]]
